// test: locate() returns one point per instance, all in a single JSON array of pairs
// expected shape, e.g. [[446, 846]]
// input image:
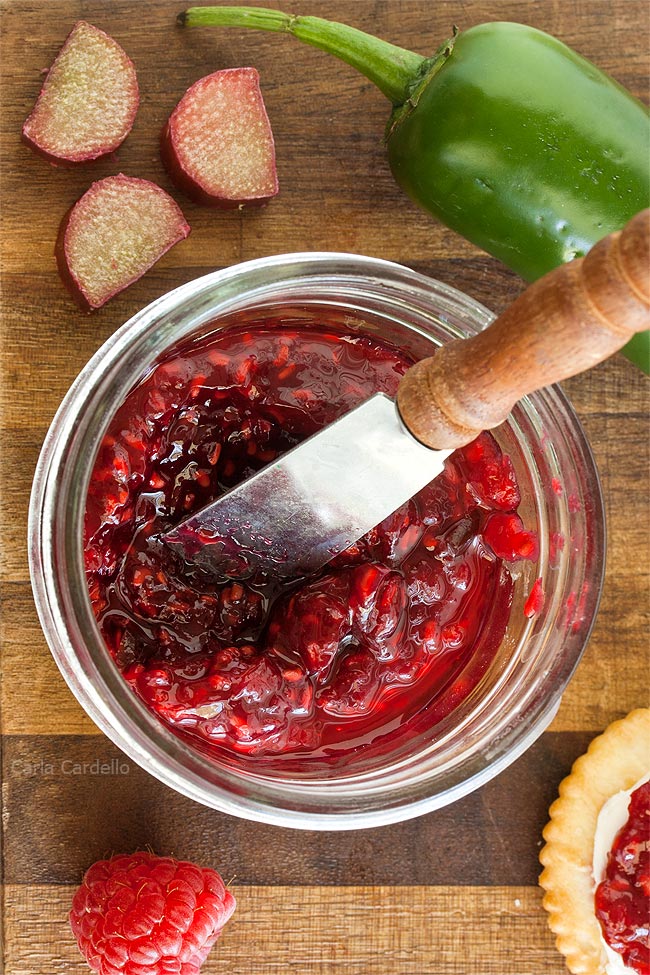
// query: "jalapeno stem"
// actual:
[[392, 69]]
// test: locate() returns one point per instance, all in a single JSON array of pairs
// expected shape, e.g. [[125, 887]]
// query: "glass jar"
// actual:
[[521, 691]]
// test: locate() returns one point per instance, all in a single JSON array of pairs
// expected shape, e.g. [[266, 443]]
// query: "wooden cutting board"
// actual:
[[452, 893]]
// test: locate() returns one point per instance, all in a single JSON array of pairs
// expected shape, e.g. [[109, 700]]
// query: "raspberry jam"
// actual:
[[623, 897], [399, 628]]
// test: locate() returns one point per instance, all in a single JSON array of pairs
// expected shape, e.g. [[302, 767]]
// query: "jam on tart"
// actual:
[[592, 921], [622, 898]]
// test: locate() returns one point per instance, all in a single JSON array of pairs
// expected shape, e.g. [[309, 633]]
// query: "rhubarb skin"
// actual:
[[217, 145], [113, 234], [88, 102]]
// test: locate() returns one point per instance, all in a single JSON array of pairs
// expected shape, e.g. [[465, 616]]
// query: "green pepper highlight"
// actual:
[[506, 135]]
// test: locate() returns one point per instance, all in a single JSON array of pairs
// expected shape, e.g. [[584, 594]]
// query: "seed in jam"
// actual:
[[400, 627]]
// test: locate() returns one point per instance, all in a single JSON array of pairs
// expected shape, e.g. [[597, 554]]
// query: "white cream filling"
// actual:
[[611, 818]]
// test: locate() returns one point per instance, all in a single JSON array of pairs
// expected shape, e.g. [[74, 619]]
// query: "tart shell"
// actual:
[[614, 761]]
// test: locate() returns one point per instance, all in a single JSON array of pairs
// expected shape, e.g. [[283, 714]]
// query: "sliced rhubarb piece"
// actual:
[[88, 101], [217, 144], [114, 233]]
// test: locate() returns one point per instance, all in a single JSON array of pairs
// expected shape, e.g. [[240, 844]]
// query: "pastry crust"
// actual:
[[614, 761]]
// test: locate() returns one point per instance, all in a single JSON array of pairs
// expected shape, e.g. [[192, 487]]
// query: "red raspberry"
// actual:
[[149, 915]]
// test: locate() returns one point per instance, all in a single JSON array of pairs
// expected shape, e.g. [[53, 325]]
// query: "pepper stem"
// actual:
[[393, 69]]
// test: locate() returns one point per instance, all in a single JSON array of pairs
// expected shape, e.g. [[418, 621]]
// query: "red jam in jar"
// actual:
[[406, 621], [622, 898]]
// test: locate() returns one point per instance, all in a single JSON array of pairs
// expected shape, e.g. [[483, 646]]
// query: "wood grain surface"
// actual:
[[452, 893]]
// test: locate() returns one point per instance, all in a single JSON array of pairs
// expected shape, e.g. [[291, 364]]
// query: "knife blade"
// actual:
[[316, 500]]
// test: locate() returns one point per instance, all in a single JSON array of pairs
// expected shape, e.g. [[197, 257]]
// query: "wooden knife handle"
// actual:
[[564, 323]]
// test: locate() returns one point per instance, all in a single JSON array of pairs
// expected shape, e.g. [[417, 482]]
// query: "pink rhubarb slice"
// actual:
[[114, 233], [217, 144], [88, 101]]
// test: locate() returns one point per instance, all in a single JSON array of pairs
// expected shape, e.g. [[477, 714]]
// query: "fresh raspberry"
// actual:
[[149, 915]]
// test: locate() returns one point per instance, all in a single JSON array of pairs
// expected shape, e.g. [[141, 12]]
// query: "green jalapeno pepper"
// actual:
[[506, 135]]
